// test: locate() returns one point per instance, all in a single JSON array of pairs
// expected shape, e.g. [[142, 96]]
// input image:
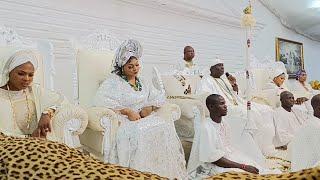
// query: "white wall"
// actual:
[[164, 28]]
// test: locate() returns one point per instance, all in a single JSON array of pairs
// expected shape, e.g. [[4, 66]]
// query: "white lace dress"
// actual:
[[149, 144]]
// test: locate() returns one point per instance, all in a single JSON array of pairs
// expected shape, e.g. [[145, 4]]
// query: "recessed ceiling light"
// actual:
[[315, 4]]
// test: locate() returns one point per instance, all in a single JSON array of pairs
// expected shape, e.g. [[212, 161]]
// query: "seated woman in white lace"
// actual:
[[272, 90], [25, 108], [300, 88], [144, 140]]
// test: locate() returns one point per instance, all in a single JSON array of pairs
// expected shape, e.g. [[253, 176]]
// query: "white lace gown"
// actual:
[[149, 144]]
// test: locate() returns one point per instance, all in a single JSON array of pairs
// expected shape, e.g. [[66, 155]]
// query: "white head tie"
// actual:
[[17, 59], [276, 72]]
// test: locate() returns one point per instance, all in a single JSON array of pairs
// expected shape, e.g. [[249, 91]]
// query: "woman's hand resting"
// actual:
[[146, 111], [132, 115]]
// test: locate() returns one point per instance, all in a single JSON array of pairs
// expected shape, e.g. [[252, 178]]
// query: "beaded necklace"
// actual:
[[136, 86], [28, 118]]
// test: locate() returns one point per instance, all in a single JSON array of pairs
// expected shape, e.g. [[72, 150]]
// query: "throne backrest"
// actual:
[[94, 58], [11, 42], [260, 76]]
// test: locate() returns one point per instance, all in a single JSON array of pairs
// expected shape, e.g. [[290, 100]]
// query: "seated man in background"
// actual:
[[216, 154], [188, 66], [287, 120], [260, 124], [305, 148]]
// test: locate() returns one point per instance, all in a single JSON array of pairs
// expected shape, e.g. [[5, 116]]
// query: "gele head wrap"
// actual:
[[129, 48]]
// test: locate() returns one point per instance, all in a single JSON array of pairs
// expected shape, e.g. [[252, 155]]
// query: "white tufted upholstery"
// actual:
[[93, 67]]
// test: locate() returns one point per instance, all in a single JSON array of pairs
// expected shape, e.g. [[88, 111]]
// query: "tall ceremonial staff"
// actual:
[[248, 23]]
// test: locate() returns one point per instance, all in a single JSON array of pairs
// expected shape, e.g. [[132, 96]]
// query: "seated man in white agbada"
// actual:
[[144, 140], [216, 153], [305, 146], [259, 125], [187, 66], [287, 120]]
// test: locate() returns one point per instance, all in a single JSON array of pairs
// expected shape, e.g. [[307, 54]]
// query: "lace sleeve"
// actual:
[[155, 97]]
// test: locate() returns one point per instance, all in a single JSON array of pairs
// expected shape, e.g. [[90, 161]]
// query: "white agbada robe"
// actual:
[[305, 146], [260, 124], [287, 124], [214, 142], [188, 68]]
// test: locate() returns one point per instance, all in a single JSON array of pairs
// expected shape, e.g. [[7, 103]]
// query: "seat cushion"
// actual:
[[178, 85]]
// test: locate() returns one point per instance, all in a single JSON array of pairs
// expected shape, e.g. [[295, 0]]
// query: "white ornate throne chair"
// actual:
[[94, 61], [259, 76], [70, 121], [94, 56], [180, 91]]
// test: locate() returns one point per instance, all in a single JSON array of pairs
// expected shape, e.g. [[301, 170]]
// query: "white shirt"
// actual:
[[305, 146], [211, 144], [286, 124]]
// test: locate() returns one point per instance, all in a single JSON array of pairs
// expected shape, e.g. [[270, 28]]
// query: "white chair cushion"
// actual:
[[174, 87], [93, 68]]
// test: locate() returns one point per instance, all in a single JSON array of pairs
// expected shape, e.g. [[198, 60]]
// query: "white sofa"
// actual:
[[68, 123], [94, 64]]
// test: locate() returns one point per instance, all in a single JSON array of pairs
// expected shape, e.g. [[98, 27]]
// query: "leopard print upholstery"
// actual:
[[32, 158], [305, 174]]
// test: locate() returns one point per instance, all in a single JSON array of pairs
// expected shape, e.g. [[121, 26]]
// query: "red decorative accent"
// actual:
[[248, 105]]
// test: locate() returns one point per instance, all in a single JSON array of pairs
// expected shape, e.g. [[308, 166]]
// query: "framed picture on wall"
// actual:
[[291, 54]]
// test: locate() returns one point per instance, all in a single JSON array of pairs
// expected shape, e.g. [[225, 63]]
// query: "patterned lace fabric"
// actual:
[[149, 144]]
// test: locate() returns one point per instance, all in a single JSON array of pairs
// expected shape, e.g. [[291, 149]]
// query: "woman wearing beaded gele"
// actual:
[[144, 140], [25, 108]]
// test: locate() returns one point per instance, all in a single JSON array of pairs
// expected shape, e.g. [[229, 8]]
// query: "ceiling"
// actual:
[[300, 15]]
